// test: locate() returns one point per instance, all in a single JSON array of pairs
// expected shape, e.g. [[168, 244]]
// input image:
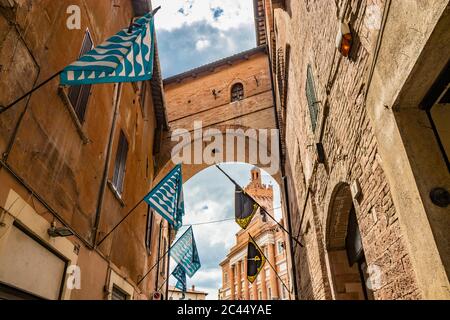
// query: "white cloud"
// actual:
[[206, 201], [176, 13], [202, 44]]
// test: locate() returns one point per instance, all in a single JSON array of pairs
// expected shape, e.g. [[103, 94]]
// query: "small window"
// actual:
[[79, 94], [237, 92], [263, 215], [284, 292], [311, 97], [118, 294], [121, 159], [280, 247], [259, 295], [163, 267], [270, 294], [142, 96], [225, 278], [149, 230]]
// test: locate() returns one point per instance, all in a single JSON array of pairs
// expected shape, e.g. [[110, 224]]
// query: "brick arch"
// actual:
[[235, 81], [337, 217], [190, 170], [338, 177]]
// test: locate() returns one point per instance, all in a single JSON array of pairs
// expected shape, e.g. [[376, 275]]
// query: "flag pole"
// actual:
[[165, 281], [262, 208], [268, 261], [12, 104], [120, 222]]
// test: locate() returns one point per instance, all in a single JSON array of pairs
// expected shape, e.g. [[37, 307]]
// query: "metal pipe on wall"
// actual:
[[101, 195]]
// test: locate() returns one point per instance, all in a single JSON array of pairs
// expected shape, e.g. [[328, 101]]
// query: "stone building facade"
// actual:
[[364, 144], [78, 158], [190, 294], [234, 93], [272, 240]]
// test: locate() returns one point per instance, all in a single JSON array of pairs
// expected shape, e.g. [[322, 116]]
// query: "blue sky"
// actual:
[[209, 196], [192, 33]]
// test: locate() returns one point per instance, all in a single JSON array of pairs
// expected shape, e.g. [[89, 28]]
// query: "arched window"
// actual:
[[237, 92]]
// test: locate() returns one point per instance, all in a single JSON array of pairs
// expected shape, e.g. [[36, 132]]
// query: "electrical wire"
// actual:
[[215, 221]]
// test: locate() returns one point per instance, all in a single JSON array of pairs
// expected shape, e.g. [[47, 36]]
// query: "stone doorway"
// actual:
[[347, 265]]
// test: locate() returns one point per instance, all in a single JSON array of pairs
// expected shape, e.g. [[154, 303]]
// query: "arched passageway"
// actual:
[[347, 262]]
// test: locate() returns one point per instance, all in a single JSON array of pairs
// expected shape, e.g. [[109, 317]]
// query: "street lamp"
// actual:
[[59, 232]]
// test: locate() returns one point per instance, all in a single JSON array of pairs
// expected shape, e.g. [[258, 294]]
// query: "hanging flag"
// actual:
[[255, 260], [125, 57], [180, 275], [245, 207], [185, 253], [167, 198]]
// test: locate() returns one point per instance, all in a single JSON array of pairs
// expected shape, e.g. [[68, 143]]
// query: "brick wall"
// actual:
[[310, 28]]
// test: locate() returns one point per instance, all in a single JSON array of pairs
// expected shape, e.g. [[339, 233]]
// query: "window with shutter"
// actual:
[[142, 96], [149, 230], [121, 159], [119, 294], [237, 92], [79, 94], [311, 97], [163, 251]]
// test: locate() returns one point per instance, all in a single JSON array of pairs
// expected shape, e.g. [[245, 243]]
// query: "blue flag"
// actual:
[[180, 275], [167, 198], [185, 253], [125, 57]]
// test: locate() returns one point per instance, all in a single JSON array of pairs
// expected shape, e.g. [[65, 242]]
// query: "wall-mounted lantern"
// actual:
[[344, 39], [55, 232]]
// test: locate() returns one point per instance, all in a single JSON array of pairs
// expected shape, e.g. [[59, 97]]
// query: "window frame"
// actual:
[[162, 270], [311, 97], [143, 97], [149, 230], [237, 94], [280, 247], [84, 91], [119, 292], [118, 180]]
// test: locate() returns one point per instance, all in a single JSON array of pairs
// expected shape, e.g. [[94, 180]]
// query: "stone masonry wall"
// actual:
[[310, 28]]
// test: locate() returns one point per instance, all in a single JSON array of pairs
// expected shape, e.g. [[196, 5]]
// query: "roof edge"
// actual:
[[215, 64]]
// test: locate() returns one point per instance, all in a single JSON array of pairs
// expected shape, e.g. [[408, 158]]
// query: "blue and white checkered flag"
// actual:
[[185, 253], [167, 198], [125, 57]]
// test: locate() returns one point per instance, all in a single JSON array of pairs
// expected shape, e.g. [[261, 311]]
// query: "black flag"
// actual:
[[245, 208], [255, 260]]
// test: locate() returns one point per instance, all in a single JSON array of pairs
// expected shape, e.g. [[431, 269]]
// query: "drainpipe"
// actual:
[[101, 195]]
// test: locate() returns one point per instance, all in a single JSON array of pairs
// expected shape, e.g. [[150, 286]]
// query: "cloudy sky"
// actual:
[[192, 33], [209, 196], [195, 32]]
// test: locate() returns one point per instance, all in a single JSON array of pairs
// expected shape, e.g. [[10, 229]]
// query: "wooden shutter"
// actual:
[[149, 230], [121, 159], [79, 94], [311, 97], [237, 92]]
